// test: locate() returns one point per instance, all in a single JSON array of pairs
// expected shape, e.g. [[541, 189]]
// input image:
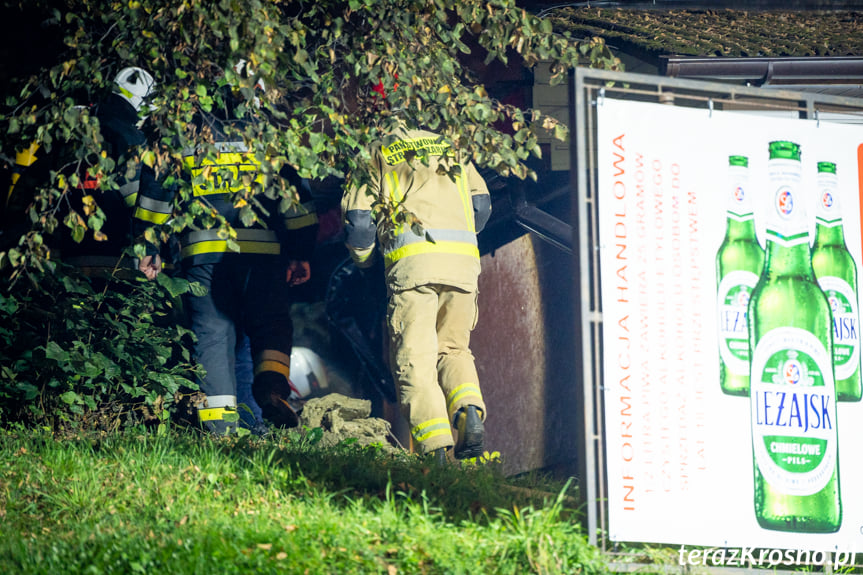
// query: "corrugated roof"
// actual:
[[651, 34]]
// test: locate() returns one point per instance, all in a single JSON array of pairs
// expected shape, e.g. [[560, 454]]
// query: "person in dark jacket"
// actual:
[[248, 282], [97, 253], [120, 115]]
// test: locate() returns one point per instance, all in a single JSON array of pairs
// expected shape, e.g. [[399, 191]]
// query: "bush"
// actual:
[[95, 353]]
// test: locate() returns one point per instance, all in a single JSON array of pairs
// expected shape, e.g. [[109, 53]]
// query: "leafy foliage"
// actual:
[[318, 62], [103, 358]]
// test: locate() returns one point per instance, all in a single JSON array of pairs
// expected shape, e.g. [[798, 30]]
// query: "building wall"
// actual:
[[525, 354]]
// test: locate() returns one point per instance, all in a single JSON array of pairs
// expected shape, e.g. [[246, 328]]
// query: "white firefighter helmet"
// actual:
[[308, 374], [135, 85]]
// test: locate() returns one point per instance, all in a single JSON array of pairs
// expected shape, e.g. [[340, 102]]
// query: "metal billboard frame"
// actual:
[[586, 88]]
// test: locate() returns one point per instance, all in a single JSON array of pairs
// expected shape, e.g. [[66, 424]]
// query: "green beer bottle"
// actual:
[[738, 267], [837, 274], [792, 394]]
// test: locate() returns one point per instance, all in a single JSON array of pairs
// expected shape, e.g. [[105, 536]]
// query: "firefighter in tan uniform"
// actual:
[[431, 276]]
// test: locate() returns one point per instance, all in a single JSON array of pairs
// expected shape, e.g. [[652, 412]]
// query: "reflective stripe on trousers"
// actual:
[[433, 366]]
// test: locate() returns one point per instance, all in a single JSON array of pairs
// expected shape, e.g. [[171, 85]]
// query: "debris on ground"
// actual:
[[342, 417]]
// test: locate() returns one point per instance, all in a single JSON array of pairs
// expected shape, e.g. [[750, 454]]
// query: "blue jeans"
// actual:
[[245, 370]]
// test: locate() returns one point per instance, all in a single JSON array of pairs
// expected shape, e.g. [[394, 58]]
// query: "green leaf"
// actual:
[[91, 370], [55, 352], [561, 132], [70, 397], [198, 289], [149, 158], [176, 286], [29, 391]]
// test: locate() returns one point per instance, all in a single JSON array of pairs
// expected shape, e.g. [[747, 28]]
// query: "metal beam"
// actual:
[[767, 71]]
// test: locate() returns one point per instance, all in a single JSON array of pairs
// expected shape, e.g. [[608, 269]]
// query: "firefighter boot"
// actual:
[[468, 423], [219, 420], [271, 392], [439, 456]]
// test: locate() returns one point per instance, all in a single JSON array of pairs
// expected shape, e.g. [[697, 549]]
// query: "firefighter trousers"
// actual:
[[431, 361], [252, 296]]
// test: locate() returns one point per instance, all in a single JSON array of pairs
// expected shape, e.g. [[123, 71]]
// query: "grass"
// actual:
[[183, 503]]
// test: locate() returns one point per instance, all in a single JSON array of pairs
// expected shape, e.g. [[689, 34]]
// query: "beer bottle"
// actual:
[[792, 393], [738, 267], [837, 274]]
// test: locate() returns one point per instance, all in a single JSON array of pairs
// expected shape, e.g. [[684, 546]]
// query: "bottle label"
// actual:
[[739, 200], [792, 398], [846, 337], [827, 211], [786, 222], [732, 301]]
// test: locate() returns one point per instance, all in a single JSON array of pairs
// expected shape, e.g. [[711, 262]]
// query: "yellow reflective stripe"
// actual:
[[221, 246], [455, 248], [204, 248], [462, 391], [125, 92], [152, 217], [304, 221], [431, 428], [213, 413], [28, 156], [131, 199], [270, 365], [361, 256], [461, 184], [395, 190], [273, 360], [396, 196], [15, 177]]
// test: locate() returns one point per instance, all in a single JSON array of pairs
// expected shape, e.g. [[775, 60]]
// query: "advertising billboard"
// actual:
[[730, 249]]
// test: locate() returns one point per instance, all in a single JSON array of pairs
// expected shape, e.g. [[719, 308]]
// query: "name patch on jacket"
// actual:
[[396, 152], [234, 169]]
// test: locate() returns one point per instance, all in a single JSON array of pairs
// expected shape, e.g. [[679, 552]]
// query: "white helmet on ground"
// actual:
[[135, 85], [308, 374]]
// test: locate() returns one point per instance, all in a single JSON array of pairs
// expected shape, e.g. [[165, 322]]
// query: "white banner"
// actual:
[[679, 451]]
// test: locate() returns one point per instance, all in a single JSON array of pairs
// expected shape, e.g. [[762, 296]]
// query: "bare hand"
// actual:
[[298, 272], [151, 266]]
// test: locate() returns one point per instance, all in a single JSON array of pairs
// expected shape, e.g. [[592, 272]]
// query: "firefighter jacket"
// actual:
[[122, 139], [450, 210], [215, 181]]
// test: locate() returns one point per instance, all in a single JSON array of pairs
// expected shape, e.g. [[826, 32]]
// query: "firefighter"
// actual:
[[431, 272], [247, 291], [120, 116], [99, 253]]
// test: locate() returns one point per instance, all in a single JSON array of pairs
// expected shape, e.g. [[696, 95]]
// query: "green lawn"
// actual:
[[183, 503]]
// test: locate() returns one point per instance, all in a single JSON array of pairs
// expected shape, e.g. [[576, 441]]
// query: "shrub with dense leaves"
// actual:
[[72, 355]]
